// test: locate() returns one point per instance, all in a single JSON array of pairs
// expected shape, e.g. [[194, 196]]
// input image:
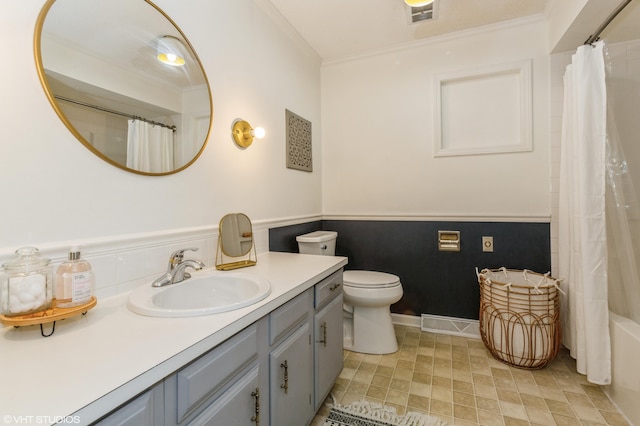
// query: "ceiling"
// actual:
[[341, 28]]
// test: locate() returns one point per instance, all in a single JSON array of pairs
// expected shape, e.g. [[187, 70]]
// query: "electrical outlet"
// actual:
[[487, 244]]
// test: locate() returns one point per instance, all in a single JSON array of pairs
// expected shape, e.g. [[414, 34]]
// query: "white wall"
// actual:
[[562, 15], [56, 190], [378, 138], [572, 22], [558, 64]]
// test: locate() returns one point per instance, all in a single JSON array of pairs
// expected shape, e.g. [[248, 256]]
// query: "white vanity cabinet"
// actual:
[[328, 332]]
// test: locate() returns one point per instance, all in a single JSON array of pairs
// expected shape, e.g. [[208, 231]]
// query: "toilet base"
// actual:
[[370, 330]]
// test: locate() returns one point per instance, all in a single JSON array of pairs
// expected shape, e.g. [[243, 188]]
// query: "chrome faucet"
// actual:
[[176, 268]]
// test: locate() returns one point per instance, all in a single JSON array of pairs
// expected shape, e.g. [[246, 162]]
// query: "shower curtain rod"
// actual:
[[111, 111], [596, 36]]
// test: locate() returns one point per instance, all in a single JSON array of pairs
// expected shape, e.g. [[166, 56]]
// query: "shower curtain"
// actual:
[[149, 147], [582, 221]]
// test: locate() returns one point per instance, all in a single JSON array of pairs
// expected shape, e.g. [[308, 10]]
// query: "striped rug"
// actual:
[[366, 413]]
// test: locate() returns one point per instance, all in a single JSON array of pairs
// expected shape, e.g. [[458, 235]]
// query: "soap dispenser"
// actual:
[[74, 281]]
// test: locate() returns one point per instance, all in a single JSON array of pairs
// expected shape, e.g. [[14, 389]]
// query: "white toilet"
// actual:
[[368, 327]]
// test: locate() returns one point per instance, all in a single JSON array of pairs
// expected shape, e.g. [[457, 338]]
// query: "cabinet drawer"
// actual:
[[326, 289], [214, 370], [287, 316], [238, 406]]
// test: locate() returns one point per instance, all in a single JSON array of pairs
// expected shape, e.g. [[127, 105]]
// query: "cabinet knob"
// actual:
[[334, 287]]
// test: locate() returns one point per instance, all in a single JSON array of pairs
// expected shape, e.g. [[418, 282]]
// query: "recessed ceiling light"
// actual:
[[418, 3]]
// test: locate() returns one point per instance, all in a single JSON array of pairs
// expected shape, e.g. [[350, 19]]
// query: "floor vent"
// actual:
[[449, 325], [424, 13]]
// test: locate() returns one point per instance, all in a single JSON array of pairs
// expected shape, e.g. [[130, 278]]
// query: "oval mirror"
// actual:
[[100, 63], [235, 240]]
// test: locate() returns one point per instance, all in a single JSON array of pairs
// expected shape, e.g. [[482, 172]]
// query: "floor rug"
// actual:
[[366, 413]]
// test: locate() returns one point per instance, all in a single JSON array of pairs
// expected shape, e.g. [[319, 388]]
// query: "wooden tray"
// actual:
[[48, 315]]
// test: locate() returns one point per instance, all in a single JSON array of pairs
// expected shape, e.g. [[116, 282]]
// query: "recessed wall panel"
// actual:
[[484, 111]]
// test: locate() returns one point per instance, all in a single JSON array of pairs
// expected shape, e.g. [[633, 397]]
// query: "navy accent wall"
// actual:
[[434, 282]]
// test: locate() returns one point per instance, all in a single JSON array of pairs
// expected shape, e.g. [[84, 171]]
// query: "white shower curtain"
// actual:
[[149, 147], [582, 221]]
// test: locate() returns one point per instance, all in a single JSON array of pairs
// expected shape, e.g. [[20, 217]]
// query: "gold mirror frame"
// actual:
[[198, 146], [235, 240]]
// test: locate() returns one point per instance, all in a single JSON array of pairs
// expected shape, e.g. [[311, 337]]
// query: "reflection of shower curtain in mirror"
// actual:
[[149, 147]]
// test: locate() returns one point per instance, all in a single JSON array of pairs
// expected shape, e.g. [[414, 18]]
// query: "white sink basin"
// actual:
[[205, 293]]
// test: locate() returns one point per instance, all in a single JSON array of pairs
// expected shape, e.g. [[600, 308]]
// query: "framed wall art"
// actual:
[[298, 142]]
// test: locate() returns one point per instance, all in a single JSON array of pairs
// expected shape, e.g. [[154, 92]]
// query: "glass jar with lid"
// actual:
[[27, 285]]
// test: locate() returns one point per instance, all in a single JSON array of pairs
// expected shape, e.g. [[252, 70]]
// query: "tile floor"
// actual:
[[458, 380]]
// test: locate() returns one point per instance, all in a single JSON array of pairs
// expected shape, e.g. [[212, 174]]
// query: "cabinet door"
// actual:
[[238, 406], [145, 409], [327, 348], [290, 379]]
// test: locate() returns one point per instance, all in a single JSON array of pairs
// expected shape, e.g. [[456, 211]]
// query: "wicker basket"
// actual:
[[520, 316]]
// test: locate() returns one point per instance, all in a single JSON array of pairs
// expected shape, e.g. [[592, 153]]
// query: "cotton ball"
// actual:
[[26, 297], [27, 293], [37, 288], [36, 284]]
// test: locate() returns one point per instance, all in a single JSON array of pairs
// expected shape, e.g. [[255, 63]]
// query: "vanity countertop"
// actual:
[[93, 363]]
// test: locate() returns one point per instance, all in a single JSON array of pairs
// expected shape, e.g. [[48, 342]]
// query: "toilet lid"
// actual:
[[369, 279]]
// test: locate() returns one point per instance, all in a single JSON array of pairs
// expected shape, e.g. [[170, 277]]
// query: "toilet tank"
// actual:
[[318, 242]]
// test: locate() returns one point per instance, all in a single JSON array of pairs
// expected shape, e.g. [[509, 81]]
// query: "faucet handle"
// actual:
[[176, 257]]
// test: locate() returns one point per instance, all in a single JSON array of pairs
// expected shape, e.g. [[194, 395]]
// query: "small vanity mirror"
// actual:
[[236, 248], [125, 81]]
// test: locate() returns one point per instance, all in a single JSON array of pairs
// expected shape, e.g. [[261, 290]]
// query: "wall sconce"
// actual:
[[243, 133], [170, 51]]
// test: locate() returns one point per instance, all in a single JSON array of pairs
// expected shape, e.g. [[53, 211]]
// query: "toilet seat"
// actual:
[[369, 279]]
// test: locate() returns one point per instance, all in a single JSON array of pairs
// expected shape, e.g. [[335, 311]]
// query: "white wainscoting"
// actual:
[[123, 262]]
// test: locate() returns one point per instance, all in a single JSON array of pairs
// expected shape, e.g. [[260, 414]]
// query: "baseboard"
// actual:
[[450, 325], [440, 324], [406, 320]]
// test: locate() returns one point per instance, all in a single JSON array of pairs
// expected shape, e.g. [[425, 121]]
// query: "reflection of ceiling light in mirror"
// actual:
[[170, 51], [418, 3]]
